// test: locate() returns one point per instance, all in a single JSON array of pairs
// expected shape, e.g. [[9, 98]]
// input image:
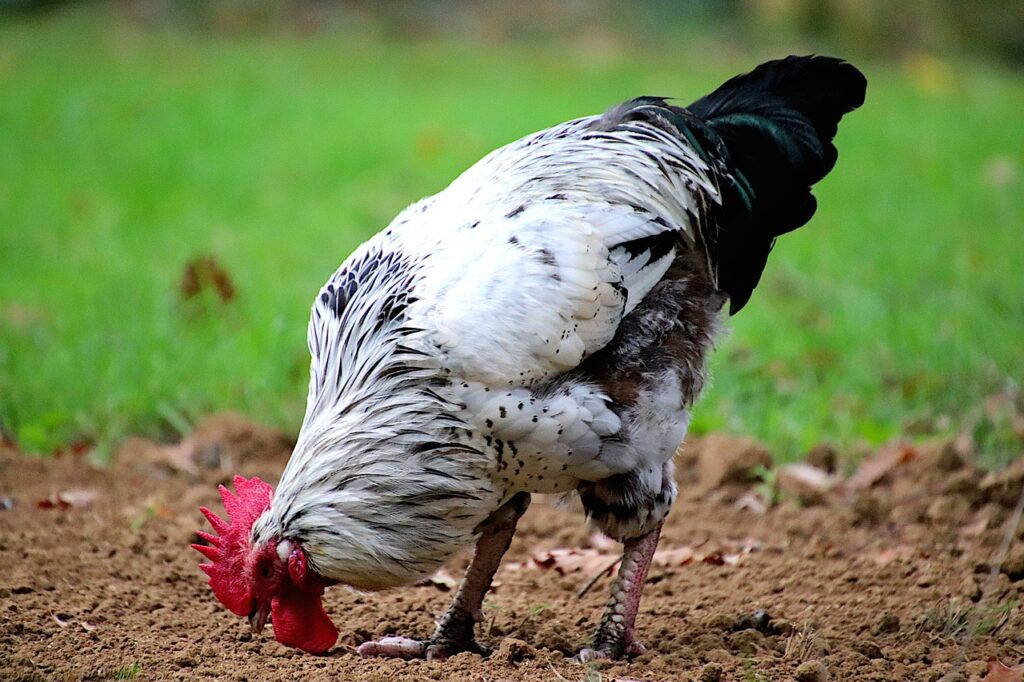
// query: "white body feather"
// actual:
[[444, 349]]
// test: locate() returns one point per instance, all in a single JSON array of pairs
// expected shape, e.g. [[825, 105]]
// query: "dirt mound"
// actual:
[[888, 576]]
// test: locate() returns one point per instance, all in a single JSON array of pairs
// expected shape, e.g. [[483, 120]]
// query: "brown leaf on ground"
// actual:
[[677, 556], [873, 469], [570, 560], [565, 560], [997, 672], [204, 273], [69, 499]]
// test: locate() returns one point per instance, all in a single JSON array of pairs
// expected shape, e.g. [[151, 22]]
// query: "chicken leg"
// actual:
[[616, 636], [454, 632]]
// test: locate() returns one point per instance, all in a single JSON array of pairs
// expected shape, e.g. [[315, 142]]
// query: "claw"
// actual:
[[393, 647]]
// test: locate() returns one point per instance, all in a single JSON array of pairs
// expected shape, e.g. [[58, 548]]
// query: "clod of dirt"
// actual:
[[223, 442], [881, 465], [888, 624], [725, 459], [512, 650], [759, 620], [965, 483], [869, 649], [811, 671], [1004, 487], [824, 457], [712, 672], [750, 642], [870, 510], [228, 440], [1013, 565], [953, 676], [947, 509]]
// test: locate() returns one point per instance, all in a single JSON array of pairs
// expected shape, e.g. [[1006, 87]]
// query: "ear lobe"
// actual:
[[297, 569], [299, 621]]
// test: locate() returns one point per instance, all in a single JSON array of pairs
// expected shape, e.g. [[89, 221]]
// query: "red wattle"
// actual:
[[300, 621]]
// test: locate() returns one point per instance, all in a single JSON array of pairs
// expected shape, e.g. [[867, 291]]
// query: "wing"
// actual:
[[531, 259]]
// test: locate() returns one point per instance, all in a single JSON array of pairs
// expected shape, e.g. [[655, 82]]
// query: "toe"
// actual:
[[393, 647], [635, 648], [587, 655]]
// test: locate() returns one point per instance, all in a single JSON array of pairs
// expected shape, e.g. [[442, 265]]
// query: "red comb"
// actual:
[[229, 549]]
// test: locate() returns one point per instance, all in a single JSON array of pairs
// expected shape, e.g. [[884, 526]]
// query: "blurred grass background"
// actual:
[[271, 138]]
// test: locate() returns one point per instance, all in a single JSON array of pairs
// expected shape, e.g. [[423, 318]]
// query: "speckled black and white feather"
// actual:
[[541, 325]]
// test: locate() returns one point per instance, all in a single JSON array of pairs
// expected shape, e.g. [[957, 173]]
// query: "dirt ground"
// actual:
[[883, 575]]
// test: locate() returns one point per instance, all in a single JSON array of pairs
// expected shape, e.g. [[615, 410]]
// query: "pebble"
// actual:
[[887, 624]]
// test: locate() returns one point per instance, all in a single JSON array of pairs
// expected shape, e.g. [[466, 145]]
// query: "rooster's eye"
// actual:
[[264, 569]]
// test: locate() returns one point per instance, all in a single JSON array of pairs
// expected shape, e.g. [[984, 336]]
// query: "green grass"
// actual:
[[125, 151]]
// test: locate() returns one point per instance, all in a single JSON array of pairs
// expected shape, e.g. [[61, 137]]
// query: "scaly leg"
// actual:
[[454, 633], [616, 636]]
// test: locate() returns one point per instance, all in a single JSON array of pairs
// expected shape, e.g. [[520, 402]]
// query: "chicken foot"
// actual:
[[454, 632], [616, 636]]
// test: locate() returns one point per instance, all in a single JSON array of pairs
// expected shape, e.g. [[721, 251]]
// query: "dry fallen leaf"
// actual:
[[570, 560], [594, 562], [875, 468], [678, 556], [205, 273], [997, 672], [69, 499]]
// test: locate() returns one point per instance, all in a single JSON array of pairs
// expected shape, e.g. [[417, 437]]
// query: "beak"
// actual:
[[258, 617]]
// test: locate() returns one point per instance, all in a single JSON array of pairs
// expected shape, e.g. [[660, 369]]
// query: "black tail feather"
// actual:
[[772, 128]]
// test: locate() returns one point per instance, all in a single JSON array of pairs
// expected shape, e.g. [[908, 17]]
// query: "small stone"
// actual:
[[887, 624], [811, 671], [512, 650]]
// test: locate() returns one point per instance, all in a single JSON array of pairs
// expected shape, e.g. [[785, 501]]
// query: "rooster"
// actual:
[[540, 326]]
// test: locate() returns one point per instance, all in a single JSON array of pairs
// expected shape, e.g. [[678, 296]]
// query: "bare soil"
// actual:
[[887, 576]]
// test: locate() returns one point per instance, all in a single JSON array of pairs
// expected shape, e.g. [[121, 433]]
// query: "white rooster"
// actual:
[[540, 326]]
